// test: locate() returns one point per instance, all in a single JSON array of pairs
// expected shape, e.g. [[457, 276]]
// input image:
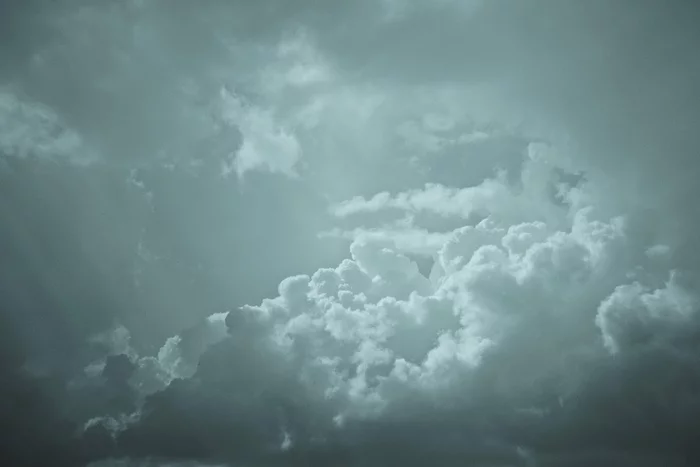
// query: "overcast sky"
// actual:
[[367, 233]]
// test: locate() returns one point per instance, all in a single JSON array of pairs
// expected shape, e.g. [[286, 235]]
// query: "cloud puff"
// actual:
[[632, 315], [265, 143], [177, 358]]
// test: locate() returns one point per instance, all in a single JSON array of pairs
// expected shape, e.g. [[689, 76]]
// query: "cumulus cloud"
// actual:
[[518, 333], [177, 358], [492, 278], [633, 315], [537, 194]]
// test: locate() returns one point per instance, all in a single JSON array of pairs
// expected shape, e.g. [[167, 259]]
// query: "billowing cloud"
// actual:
[[508, 352]]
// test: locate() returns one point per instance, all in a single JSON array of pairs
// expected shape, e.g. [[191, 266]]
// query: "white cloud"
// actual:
[[407, 240], [498, 286], [177, 358], [633, 315], [491, 195], [504, 203], [266, 144]]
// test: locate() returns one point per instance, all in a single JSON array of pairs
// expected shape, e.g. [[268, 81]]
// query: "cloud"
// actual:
[[125, 82], [408, 240], [265, 144], [177, 358], [504, 334], [533, 151], [31, 130], [537, 194], [632, 315]]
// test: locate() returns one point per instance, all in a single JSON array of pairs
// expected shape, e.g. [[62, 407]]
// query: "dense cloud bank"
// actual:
[[512, 184]]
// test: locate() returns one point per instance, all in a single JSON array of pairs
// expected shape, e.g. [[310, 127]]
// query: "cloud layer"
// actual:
[[514, 184]]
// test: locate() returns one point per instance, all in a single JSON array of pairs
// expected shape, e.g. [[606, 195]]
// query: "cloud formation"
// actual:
[[539, 157], [522, 335]]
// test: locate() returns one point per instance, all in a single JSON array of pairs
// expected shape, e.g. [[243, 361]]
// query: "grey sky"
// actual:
[[454, 232]]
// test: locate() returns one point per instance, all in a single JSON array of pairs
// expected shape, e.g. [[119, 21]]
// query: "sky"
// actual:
[[369, 233]]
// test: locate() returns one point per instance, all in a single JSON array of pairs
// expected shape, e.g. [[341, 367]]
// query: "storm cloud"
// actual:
[[373, 233]]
